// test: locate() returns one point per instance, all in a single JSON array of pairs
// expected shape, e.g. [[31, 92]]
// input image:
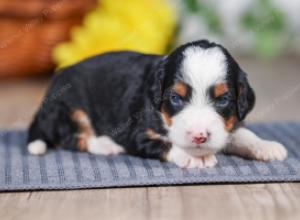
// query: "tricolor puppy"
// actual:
[[183, 108]]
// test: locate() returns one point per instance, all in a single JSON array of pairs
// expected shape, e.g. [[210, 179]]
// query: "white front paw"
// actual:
[[269, 150], [179, 157], [203, 162], [184, 160], [210, 160]]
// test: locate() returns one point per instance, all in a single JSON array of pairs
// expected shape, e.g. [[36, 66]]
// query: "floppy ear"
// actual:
[[156, 84], [245, 96]]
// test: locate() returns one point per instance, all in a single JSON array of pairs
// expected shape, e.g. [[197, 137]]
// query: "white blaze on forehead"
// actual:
[[202, 68]]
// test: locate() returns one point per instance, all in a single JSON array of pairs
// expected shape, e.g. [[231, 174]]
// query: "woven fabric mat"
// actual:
[[61, 169]]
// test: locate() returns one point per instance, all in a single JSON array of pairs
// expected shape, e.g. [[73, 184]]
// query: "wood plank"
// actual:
[[254, 201]]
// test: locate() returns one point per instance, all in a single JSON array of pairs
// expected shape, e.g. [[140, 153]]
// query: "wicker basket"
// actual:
[[29, 31]]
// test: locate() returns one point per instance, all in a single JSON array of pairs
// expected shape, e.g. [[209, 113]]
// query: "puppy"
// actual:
[[182, 108]]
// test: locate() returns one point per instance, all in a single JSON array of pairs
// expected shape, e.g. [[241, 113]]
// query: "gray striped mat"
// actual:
[[62, 169]]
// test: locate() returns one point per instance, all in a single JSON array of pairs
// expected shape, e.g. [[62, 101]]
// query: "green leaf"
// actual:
[[192, 5]]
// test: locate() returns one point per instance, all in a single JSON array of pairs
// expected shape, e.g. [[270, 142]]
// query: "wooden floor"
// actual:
[[277, 85]]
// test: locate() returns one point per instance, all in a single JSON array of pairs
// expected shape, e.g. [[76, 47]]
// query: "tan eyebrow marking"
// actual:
[[220, 89], [180, 88]]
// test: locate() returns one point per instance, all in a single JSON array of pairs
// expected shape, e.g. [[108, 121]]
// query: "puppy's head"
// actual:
[[205, 95]]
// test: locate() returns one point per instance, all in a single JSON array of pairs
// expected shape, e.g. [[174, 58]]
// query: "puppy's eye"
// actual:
[[222, 101], [176, 100]]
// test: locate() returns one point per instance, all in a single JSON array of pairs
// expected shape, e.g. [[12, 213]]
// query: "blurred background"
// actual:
[[39, 36]]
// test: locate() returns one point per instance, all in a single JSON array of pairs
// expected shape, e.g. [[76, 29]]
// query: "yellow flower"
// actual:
[[141, 25]]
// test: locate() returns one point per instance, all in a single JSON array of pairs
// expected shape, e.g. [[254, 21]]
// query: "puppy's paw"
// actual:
[[103, 145], [269, 150], [210, 160], [203, 162], [179, 157], [184, 160]]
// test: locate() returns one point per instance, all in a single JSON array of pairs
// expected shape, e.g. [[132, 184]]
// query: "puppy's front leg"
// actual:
[[245, 143], [185, 160]]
